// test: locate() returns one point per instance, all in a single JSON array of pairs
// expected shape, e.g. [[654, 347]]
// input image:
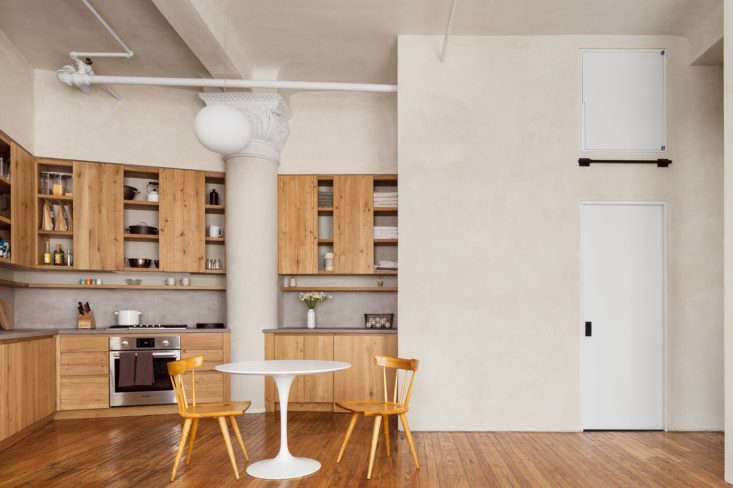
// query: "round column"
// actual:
[[251, 232]]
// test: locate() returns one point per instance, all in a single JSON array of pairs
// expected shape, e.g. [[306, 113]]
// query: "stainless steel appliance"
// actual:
[[165, 349], [151, 326]]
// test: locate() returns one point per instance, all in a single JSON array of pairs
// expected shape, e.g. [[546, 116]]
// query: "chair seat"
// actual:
[[222, 409], [369, 409]]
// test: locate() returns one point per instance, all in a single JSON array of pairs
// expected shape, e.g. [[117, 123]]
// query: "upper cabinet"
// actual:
[[337, 224], [182, 220], [22, 206], [98, 220], [353, 224], [297, 225]]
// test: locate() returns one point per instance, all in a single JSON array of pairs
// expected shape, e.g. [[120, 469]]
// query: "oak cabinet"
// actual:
[[22, 206], [297, 215], [83, 372], [353, 224], [98, 220], [27, 383], [211, 386], [319, 392], [182, 220]]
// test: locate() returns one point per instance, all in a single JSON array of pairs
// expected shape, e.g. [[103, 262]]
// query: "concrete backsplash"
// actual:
[[344, 310], [49, 308]]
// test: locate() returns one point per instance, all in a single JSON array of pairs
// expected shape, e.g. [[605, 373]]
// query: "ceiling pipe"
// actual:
[[78, 55], [448, 29], [79, 79]]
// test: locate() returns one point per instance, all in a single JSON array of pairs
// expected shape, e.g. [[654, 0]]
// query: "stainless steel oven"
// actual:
[[164, 350]]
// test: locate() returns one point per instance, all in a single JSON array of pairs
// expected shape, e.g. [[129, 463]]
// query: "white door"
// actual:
[[622, 316]]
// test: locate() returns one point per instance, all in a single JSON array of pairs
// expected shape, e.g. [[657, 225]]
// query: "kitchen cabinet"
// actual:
[[319, 392], [83, 372], [297, 217], [182, 241], [27, 384], [364, 380], [211, 386], [98, 224], [22, 206], [353, 224]]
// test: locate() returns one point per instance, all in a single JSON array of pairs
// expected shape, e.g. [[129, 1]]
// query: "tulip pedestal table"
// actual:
[[284, 465]]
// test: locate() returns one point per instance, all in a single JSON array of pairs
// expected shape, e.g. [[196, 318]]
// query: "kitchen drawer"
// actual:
[[212, 357], [197, 342], [83, 392], [83, 343], [83, 364], [209, 387]]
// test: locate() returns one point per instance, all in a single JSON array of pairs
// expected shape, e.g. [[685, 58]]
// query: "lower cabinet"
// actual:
[[363, 381], [211, 386], [83, 372], [27, 383]]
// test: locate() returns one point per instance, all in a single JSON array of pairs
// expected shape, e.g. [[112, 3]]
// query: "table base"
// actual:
[[283, 467]]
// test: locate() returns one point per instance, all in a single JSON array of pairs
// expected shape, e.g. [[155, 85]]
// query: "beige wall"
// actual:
[[149, 125], [333, 132], [16, 94], [490, 192], [728, 182]]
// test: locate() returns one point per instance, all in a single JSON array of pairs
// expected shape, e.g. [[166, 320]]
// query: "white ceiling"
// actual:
[[316, 40]]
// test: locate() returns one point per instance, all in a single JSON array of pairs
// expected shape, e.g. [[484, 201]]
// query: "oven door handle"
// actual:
[[173, 355]]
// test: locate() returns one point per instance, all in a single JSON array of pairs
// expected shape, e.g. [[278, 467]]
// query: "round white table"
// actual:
[[284, 465]]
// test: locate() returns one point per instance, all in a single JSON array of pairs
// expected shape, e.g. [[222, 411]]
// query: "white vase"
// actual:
[[311, 318]]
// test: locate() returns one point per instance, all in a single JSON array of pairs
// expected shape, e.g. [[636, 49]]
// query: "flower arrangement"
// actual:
[[312, 299]]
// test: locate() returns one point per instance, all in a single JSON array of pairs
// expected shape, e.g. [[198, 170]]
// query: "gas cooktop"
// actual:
[[151, 326]]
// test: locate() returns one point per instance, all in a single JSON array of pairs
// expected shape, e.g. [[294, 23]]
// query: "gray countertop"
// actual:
[[20, 334], [341, 330]]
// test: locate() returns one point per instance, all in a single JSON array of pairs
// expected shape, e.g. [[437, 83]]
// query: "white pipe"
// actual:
[[72, 77], [75, 55], [448, 28]]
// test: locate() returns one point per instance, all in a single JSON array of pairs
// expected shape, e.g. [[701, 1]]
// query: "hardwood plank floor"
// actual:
[[139, 451]]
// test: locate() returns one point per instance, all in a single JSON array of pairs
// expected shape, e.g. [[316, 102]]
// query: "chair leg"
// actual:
[[194, 430], [375, 440], [235, 427], [184, 435], [385, 426], [228, 442], [408, 434], [354, 418]]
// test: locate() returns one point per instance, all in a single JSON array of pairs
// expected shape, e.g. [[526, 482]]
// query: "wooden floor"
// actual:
[[139, 452]]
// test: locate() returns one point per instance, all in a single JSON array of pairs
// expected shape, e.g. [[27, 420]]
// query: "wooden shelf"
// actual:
[[382, 272], [142, 172], [5, 261], [214, 177], [142, 237], [151, 269], [325, 210], [325, 242], [335, 289], [141, 205], [4, 222], [62, 198], [56, 233], [385, 210], [214, 209], [52, 267], [211, 271], [122, 286], [385, 242], [4, 182], [215, 240]]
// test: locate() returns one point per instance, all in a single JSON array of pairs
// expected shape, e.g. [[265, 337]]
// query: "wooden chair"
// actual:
[[192, 412], [385, 409]]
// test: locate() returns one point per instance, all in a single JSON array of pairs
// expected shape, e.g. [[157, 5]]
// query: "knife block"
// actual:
[[86, 321]]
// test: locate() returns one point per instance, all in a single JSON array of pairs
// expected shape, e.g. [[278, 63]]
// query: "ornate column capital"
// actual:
[[268, 115]]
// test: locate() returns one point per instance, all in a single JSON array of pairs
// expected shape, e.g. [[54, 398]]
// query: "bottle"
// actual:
[[47, 253], [58, 255], [214, 197], [69, 257]]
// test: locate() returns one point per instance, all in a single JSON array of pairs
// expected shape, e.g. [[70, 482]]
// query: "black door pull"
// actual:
[[588, 329]]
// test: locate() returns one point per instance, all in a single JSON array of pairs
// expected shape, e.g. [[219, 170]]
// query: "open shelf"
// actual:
[[215, 209], [127, 287], [385, 242], [53, 267], [215, 240], [335, 289], [325, 242], [151, 269], [212, 271], [4, 222], [385, 210], [142, 237], [56, 233], [142, 172], [141, 205], [4, 182]]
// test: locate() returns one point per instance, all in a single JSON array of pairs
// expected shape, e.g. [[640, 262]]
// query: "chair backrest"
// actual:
[[407, 367], [176, 370]]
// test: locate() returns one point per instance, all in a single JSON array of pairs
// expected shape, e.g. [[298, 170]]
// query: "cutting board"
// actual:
[[6, 321]]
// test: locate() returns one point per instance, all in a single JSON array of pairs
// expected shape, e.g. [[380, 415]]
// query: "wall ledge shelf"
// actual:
[[214, 209], [337, 289], [141, 205]]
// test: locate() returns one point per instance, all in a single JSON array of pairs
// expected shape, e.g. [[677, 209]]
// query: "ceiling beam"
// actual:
[[706, 38], [186, 20]]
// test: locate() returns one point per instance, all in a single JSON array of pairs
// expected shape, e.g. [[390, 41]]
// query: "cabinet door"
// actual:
[[297, 216], [291, 347], [353, 223], [23, 207], [182, 220], [98, 216], [318, 388], [364, 380]]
